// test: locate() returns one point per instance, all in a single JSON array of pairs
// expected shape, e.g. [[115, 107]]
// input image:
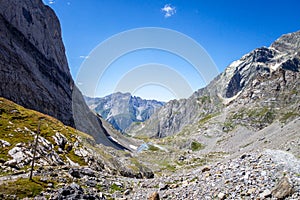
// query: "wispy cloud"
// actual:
[[51, 1], [169, 10], [84, 57]]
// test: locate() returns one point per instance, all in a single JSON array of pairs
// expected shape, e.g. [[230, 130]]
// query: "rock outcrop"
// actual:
[[121, 110], [34, 68], [57, 145]]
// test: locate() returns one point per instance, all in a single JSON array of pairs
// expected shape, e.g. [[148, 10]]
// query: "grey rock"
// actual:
[[221, 196], [122, 109], [80, 172], [127, 192], [4, 143], [91, 183], [265, 194], [153, 196], [283, 189], [163, 186]]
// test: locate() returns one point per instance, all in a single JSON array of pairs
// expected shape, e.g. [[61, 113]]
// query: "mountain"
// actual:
[[34, 71], [260, 88], [237, 138], [121, 110]]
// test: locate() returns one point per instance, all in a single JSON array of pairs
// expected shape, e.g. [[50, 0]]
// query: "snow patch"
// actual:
[[133, 147]]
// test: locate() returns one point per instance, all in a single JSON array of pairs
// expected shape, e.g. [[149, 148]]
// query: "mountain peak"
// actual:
[[273, 66], [288, 43], [122, 109]]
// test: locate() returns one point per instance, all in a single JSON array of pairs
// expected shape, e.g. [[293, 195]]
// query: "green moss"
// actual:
[[285, 117], [114, 188], [204, 99], [22, 188], [206, 118], [75, 158], [153, 148], [99, 187], [177, 113], [196, 146], [253, 117], [228, 126]]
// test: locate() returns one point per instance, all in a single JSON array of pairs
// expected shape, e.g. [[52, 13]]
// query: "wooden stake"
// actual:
[[34, 150]]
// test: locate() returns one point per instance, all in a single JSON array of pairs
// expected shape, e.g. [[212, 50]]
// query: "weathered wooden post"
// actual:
[[34, 150]]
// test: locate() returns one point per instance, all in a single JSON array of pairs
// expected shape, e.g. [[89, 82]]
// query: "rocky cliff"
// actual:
[[33, 67], [266, 77], [121, 110]]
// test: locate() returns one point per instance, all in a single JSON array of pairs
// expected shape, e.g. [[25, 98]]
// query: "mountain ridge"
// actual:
[[123, 109], [226, 87]]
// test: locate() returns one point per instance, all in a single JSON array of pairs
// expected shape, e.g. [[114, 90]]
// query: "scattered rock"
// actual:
[[127, 192], [154, 196], [221, 196], [163, 186], [205, 168], [91, 183], [80, 172], [283, 189], [265, 194], [4, 143], [251, 191]]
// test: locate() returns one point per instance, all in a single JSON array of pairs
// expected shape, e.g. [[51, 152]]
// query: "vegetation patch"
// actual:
[[19, 125], [152, 148], [204, 99], [23, 188], [228, 126], [287, 116], [114, 188], [196, 146], [256, 118]]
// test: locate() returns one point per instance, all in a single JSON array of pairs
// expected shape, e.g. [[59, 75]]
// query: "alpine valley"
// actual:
[[236, 138]]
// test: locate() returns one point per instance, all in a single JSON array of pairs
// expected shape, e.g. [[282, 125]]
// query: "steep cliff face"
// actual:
[[121, 110], [265, 75], [34, 71]]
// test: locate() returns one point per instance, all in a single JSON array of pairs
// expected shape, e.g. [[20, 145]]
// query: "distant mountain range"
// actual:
[[123, 109], [260, 88]]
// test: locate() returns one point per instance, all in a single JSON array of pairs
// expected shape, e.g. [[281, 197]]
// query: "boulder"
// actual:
[[283, 189]]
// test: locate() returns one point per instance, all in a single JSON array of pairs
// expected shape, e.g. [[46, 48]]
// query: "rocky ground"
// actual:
[[260, 175], [270, 174], [242, 164]]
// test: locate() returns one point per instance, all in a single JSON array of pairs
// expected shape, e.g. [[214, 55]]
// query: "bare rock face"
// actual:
[[34, 71]]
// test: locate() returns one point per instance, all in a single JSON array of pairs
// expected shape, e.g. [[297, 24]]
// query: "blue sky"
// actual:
[[225, 29]]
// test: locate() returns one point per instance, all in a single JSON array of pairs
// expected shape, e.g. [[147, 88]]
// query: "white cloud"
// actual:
[[51, 1], [169, 10], [84, 57]]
